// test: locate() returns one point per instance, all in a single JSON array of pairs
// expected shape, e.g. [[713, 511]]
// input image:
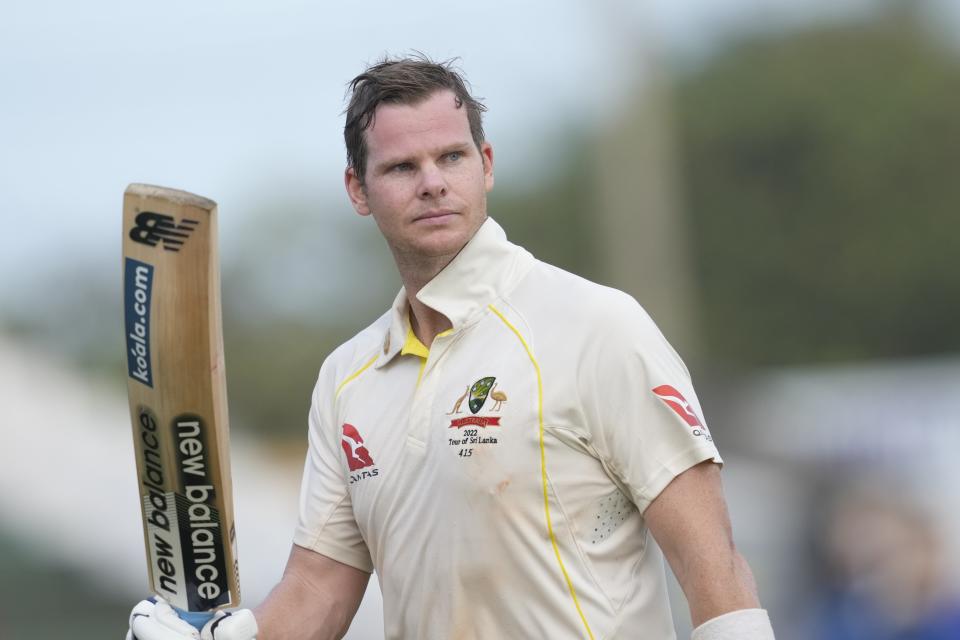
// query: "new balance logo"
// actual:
[[153, 228]]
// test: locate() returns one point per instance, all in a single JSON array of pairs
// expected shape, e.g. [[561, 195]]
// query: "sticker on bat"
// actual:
[[151, 228], [137, 292], [200, 526]]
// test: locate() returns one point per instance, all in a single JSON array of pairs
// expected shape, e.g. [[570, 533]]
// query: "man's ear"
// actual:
[[486, 153], [356, 191]]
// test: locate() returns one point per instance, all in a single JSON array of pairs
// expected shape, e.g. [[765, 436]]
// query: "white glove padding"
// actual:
[[154, 619], [231, 625]]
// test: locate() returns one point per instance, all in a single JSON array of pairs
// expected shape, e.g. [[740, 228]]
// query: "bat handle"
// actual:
[[196, 618]]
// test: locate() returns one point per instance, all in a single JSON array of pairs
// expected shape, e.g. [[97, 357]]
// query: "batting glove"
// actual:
[[154, 619]]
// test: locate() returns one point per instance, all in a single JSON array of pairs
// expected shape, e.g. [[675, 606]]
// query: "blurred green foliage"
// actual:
[[555, 220], [821, 170], [271, 371], [41, 598]]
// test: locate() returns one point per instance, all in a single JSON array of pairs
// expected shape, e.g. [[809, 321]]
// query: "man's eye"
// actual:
[[403, 166], [453, 156]]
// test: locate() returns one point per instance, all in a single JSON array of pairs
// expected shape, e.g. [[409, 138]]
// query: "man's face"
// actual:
[[426, 182]]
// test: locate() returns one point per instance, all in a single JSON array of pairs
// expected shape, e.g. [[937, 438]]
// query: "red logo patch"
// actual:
[[475, 421], [675, 400], [357, 455]]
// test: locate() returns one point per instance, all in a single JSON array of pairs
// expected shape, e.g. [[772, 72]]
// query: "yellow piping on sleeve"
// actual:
[[354, 375], [543, 470]]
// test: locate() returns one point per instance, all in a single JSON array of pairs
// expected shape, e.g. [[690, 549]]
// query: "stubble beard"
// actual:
[[418, 265]]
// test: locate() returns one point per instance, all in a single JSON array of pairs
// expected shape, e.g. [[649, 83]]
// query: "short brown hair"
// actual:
[[408, 81]]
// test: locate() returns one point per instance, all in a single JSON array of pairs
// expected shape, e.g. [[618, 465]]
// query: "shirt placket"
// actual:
[[421, 410]]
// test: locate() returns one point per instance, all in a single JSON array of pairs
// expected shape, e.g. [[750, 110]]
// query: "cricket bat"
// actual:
[[178, 401]]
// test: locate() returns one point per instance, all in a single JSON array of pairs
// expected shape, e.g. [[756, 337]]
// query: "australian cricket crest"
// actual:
[[476, 396], [484, 393], [479, 392]]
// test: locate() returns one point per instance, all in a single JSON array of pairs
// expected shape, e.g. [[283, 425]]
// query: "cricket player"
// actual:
[[513, 449]]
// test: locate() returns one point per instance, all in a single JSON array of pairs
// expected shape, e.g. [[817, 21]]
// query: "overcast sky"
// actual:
[[235, 99]]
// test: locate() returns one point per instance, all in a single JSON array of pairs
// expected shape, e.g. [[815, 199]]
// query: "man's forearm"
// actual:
[[294, 611], [717, 587], [315, 600], [723, 600]]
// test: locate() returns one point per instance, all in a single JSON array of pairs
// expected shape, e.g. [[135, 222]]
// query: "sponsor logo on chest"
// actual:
[[359, 460]]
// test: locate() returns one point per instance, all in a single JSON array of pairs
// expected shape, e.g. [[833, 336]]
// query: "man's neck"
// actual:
[[425, 321], [416, 272]]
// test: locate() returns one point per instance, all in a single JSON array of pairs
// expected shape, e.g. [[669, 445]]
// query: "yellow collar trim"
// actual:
[[413, 346]]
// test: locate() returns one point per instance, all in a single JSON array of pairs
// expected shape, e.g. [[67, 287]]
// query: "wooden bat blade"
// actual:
[[177, 391]]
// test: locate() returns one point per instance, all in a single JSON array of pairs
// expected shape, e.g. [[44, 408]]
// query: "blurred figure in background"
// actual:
[[883, 567]]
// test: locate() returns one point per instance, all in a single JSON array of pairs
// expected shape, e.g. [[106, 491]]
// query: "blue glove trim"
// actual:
[[196, 618]]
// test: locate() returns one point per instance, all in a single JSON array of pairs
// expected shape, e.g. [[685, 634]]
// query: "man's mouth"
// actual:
[[438, 215]]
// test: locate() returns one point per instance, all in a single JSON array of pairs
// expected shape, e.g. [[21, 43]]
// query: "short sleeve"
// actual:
[[644, 418], [327, 524]]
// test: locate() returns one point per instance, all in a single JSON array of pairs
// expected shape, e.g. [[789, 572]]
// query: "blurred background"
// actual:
[[775, 181]]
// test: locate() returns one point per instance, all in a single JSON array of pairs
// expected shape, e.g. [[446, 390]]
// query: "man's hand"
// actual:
[[154, 619]]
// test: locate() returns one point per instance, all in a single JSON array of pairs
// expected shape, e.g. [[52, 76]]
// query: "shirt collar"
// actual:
[[413, 346], [487, 267]]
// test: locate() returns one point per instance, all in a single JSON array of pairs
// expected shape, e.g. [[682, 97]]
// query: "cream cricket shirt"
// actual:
[[497, 481]]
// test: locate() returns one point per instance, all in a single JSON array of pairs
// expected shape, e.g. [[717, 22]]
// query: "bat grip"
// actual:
[[196, 618]]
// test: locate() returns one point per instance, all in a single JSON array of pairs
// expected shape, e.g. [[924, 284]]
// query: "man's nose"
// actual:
[[433, 184]]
